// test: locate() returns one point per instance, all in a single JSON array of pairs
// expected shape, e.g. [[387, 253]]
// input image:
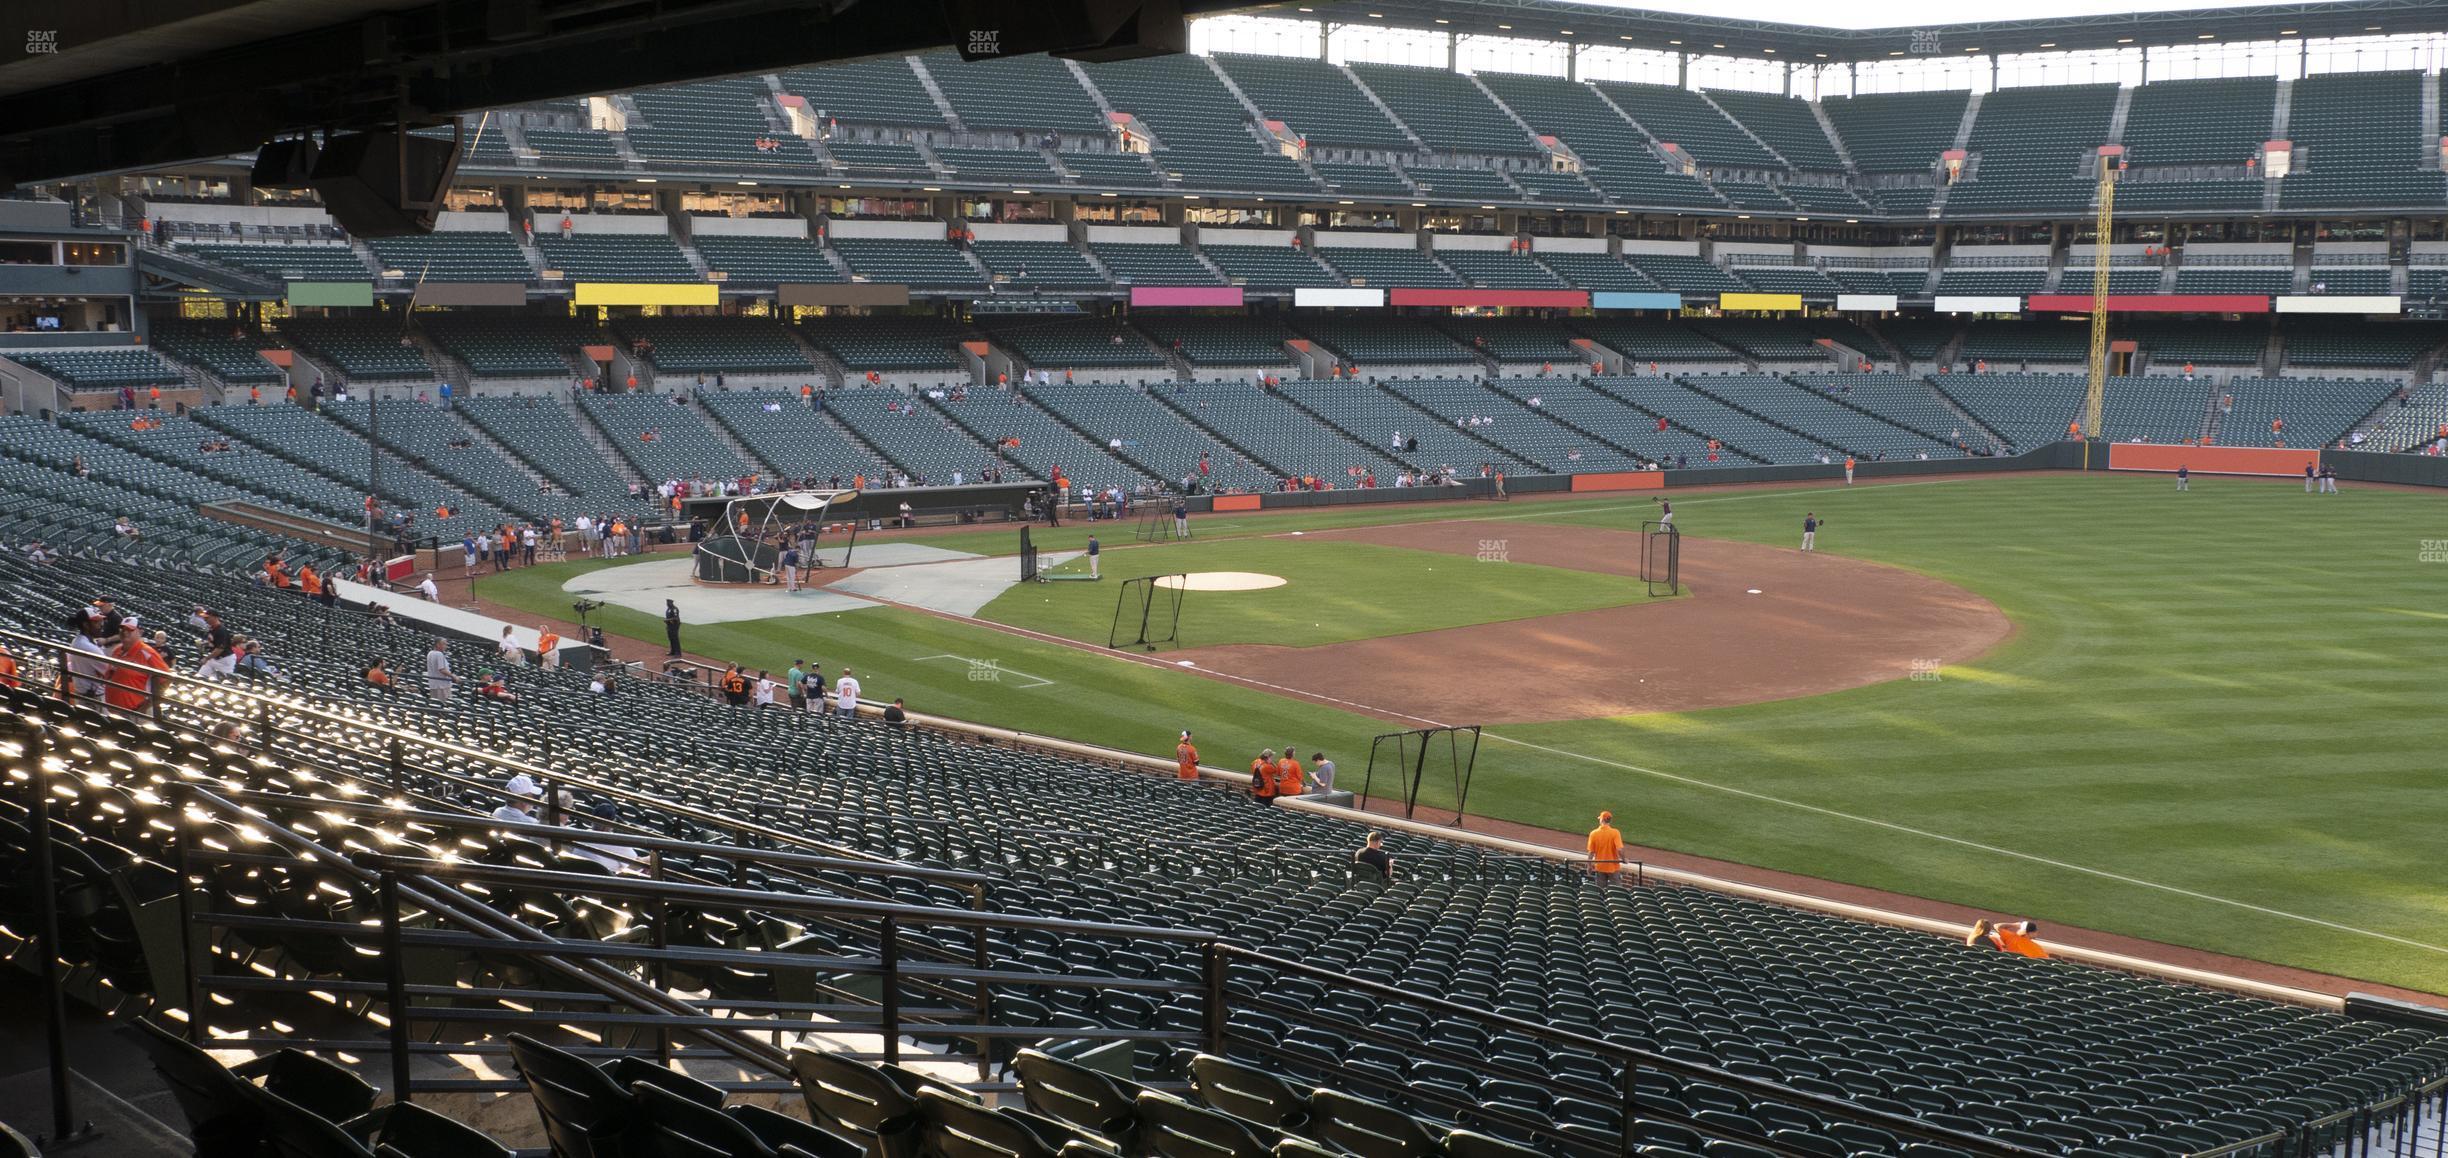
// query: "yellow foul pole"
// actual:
[[2095, 398]]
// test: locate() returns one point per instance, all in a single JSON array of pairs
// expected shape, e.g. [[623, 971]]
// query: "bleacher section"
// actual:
[[664, 439], [2416, 423], [322, 450], [713, 124], [1121, 170], [1040, 265], [101, 369], [1610, 419], [1004, 166], [1153, 265], [1026, 94], [1647, 340], [1294, 443], [796, 439], [1786, 124], [1317, 100], [1369, 414], [930, 263], [1269, 267], [1597, 272], [1373, 341], [1619, 161], [300, 262], [880, 91], [1222, 340], [1740, 434], [1898, 132], [1205, 138], [481, 257], [364, 349], [425, 435], [921, 440], [1906, 401], [511, 346], [1461, 183], [1793, 408], [1445, 109], [2026, 341], [1515, 340], [887, 344], [2170, 345], [615, 257], [2028, 410], [1152, 435], [2358, 143], [1500, 269], [546, 435], [2316, 411], [1039, 442], [1386, 268], [1684, 274], [213, 346], [2228, 279], [1072, 343], [2183, 125], [1685, 119], [766, 260], [1534, 434], [2030, 145], [2153, 409], [717, 345], [2376, 346]]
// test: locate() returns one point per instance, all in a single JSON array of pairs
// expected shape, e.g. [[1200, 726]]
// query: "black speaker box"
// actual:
[[385, 183]]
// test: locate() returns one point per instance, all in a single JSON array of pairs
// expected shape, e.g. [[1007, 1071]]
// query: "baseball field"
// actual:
[[2213, 719]]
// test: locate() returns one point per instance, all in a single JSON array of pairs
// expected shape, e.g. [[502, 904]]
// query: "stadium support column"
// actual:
[[1572, 62], [1788, 67], [1326, 40], [1450, 38], [1682, 70]]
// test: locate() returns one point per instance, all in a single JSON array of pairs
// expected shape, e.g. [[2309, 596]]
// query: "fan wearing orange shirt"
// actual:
[[1262, 777], [546, 640], [279, 572], [2015, 938], [131, 688], [8, 668], [1606, 847], [1185, 758], [1288, 773]]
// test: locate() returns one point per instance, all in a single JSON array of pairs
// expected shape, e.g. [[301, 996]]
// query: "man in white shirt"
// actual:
[[846, 695], [427, 589], [520, 808], [764, 694], [619, 858], [511, 652]]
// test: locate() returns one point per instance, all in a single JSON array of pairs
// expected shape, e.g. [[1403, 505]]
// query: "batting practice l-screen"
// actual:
[[1147, 612]]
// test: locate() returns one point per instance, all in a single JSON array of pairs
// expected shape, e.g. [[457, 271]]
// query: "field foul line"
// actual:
[[1971, 844]]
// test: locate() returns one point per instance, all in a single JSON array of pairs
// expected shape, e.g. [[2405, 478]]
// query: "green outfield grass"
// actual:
[[2218, 722], [1332, 592]]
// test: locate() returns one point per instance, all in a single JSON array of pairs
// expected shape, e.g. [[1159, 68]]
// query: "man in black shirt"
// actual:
[[896, 715], [1375, 856], [671, 624]]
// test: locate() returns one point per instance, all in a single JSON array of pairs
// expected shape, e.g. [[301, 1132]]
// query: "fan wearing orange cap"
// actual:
[[1606, 847]]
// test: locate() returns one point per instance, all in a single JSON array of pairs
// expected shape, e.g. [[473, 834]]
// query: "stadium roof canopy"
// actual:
[[113, 85], [1585, 23]]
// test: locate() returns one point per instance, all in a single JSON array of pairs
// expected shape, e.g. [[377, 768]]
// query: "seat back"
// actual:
[[682, 1128], [1172, 1128], [292, 1132], [412, 1131], [1249, 1093], [1370, 1129], [852, 1096], [951, 1128], [223, 1117], [584, 1114], [1067, 1092], [1464, 1144]]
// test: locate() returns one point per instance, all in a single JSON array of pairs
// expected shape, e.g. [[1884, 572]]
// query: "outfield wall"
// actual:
[[2352, 466]]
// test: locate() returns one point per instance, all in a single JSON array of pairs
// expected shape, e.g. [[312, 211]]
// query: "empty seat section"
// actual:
[[1072, 343], [1387, 268], [300, 262], [1516, 340], [1597, 272], [763, 260], [888, 344], [1003, 166], [1616, 158], [917, 262], [663, 438], [881, 90], [1374, 341], [1652, 340], [2153, 409], [1741, 435], [1316, 100], [364, 349], [1278, 434], [1824, 419], [1686, 274], [1604, 421], [1785, 123], [1153, 264], [1371, 414], [101, 369], [800, 441], [717, 345], [1204, 134], [1500, 269], [2315, 411], [713, 124], [1269, 267], [1152, 435], [1028, 94], [1534, 434], [1220, 340], [1038, 442], [2029, 148], [488, 256], [1023, 265], [2029, 410], [917, 437], [1445, 110], [2026, 341], [2359, 143], [1461, 183], [1121, 170], [232, 355], [510, 345], [1906, 401], [545, 434], [1687, 120], [1897, 132], [615, 257]]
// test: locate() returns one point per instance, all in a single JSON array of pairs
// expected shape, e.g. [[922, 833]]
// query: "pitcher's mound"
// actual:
[[1221, 581]]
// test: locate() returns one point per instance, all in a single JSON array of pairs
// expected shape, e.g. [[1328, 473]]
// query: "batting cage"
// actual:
[[1156, 523], [1147, 612], [750, 532], [1661, 558], [1412, 757], [1028, 556]]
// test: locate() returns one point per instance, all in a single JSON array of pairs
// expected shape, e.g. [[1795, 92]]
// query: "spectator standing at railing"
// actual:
[[846, 694], [84, 663], [1605, 846], [132, 687]]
